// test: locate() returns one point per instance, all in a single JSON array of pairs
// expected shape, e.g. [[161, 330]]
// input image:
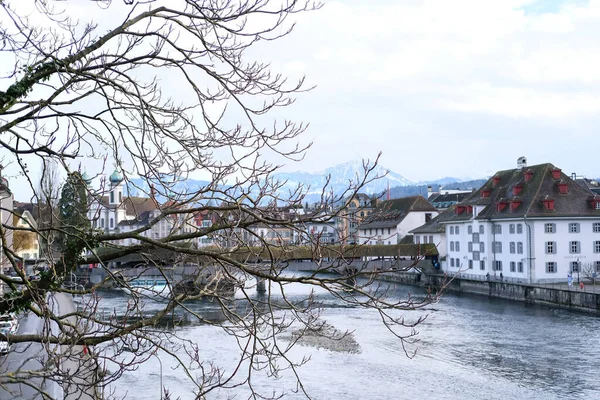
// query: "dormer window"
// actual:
[[486, 193], [556, 173], [528, 175], [501, 205], [517, 189], [548, 203], [595, 202], [515, 203], [496, 180], [460, 209], [469, 209], [562, 186]]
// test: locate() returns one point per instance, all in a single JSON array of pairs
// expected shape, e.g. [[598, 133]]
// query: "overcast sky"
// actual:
[[460, 88], [456, 88]]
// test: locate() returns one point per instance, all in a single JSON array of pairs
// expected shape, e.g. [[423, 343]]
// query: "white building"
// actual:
[[532, 224], [6, 218], [114, 212], [394, 219]]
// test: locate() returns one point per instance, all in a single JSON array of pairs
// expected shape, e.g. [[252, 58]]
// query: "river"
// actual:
[[470, 347]]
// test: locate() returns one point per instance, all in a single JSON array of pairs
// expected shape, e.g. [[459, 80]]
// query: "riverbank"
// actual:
[[555, 295]]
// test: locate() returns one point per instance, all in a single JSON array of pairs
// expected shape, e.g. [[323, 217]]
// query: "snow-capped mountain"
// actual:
[[341, 177]]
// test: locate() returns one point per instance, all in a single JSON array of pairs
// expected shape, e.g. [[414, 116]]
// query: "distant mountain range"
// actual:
[[340, 178]]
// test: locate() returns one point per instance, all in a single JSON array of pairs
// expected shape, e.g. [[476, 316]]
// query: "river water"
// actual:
[[470, 347]]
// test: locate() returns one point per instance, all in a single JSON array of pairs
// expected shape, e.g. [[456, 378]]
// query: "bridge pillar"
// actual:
[[261, 286]]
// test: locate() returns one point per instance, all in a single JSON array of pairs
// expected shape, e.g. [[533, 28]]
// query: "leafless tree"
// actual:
[[160, 90]]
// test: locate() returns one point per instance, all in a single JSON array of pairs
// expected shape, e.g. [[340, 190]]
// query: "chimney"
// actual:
[[573, 176], [429, 190], [521, 163]]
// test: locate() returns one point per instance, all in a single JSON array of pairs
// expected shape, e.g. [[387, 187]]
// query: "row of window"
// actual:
[[515, 266], [574, 247], [426, 239], [574, 227], [95, 223], [552, 266], [514, 247], [389, 231]]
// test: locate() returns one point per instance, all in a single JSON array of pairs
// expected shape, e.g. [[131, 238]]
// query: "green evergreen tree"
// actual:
[[75, 225]]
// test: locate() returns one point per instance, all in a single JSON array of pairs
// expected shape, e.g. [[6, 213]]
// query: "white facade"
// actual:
[[393, 234], [437, 238], [532, 250]]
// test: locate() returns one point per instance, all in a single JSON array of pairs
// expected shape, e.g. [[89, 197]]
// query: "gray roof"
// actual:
[[542, 185], [436, 225], [391, 212]]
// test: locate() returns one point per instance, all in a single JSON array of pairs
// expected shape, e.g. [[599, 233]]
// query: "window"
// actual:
[[575, 266], [112, 223], [112, 197], [427, 217], [511, 228], [482, 247], [451, 246], [457, 246], [120, 197], [513, 266], [476, 238], [469, 229], [550, 247], [574, 227], [597, 246], [456, 230], [389, 231], [519, 228], [458, 262], [597, 266], [519, 247], [551, 267], [101, 222], [452, 230], [418, 240], [452, 262], [550, 228], [497, 229], [497, 247], [574, 247], [497, 265], [596, 227], [513, 248], [476, 255], [370, 231], [424, 239], [470, 247], [481, 229], [520, 266], [430, 238], [482, 265], [470, 264]]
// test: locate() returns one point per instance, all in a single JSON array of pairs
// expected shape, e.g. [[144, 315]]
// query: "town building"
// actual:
[[528, 224], [446, 198], [434, 231], [114, 212], [6, 218], [351, 215], [26, 243], [394, 219]]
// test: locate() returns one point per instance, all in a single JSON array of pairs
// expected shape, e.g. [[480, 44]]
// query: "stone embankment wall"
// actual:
[[573, 299]]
